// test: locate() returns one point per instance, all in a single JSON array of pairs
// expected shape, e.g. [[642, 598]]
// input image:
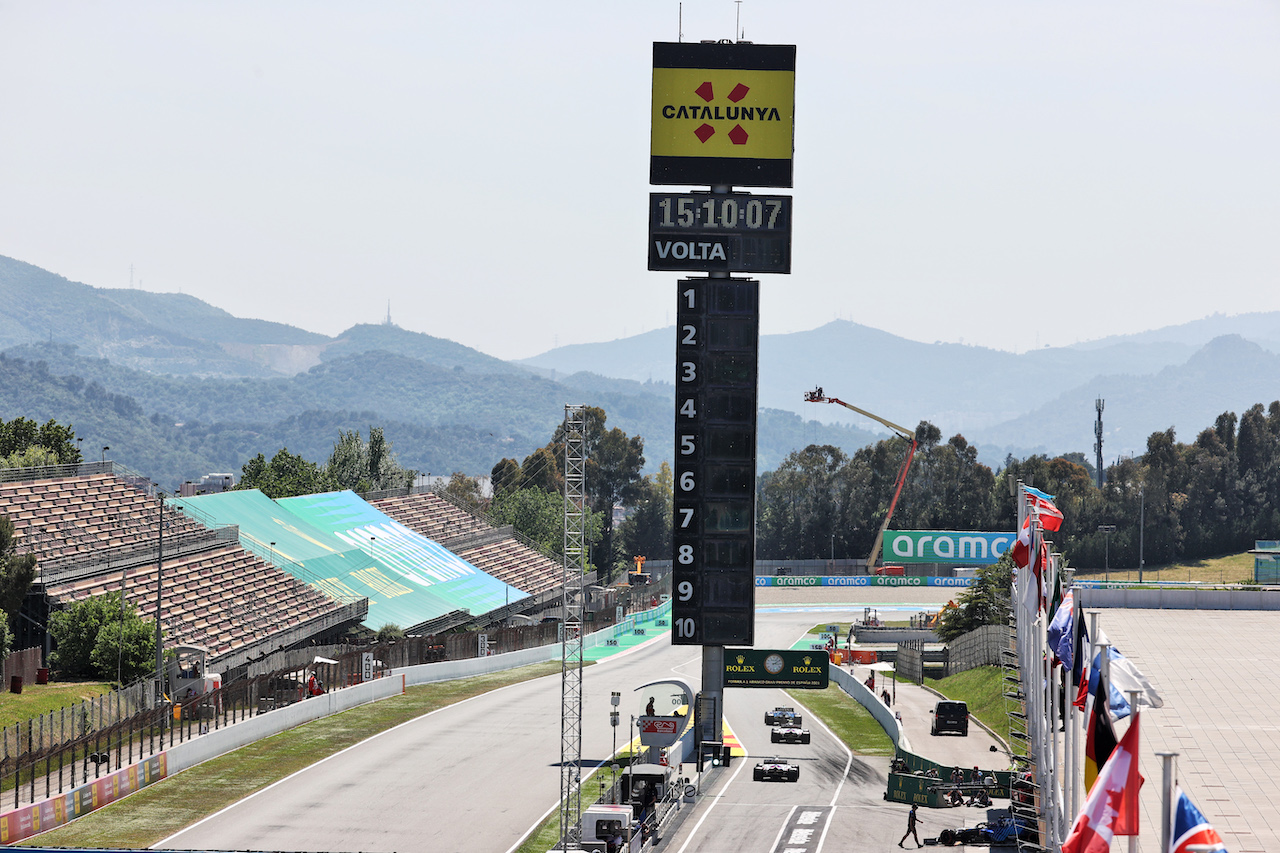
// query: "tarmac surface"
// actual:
[[1216, 672]]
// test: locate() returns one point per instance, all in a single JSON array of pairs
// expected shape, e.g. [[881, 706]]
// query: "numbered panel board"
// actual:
[[722, 114], [713, 589], [735, 232]]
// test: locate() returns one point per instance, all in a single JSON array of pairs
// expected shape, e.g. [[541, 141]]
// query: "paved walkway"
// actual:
[[1216, 671]]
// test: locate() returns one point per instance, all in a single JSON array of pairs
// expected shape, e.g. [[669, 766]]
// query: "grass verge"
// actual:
[[160, 810], [1231, 568], [850, 722], [982, 691], [37, 699]]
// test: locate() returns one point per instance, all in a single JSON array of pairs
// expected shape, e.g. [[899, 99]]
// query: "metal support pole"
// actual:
[[1133, 720], [159, 581], [1168, 768], [713, 692], [1142, 531]]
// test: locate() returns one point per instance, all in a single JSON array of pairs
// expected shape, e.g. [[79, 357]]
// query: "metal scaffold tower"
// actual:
[[575, 520]]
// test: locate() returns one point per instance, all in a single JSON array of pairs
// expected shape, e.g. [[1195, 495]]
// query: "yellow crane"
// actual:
[[816, 396]]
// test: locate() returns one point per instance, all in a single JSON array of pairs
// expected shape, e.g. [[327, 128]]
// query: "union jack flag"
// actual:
[[1190, 827]]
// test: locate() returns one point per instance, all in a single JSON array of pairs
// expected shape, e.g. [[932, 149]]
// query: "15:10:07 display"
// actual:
[[734, 212]]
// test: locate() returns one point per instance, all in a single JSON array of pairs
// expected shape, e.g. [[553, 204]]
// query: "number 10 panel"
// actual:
[[717, 342]]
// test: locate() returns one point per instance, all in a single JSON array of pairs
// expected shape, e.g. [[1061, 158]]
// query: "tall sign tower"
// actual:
[[722, 116]]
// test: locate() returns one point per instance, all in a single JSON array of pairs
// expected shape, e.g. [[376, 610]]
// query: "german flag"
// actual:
[[1101, 737]]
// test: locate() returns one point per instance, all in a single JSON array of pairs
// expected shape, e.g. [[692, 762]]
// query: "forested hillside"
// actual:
[[439, 420]]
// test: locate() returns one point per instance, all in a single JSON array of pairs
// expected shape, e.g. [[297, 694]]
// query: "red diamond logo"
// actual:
[[738, 136], [705, 92], [706, 131], [739, 92]]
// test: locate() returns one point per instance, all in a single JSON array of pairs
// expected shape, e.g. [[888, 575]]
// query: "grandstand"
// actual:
[[340, 544], [410, 561], [495, 550], [96, 530]]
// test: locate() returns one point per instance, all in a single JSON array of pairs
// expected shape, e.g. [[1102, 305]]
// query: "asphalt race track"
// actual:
[[477, 776]]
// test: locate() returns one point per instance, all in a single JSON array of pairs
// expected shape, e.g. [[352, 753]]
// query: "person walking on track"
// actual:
[[911, 827]]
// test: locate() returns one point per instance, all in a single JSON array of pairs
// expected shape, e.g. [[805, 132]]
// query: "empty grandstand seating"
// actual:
[[432, 516], [222, 599], [507, 559], [61, 518], [88, 531]]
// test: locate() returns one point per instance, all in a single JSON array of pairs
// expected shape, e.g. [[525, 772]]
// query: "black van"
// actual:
[[950, 716]]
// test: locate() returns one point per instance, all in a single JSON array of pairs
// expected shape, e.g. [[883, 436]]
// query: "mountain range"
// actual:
[[177, 387]]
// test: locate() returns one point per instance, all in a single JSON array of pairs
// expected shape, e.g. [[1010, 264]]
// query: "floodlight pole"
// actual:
[[159, 581]]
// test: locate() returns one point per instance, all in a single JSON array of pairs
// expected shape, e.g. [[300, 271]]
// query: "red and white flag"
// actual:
[[1112, 806], [1050, 515]]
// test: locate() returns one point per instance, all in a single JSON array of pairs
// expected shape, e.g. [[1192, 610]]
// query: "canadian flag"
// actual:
[[1112, 806]]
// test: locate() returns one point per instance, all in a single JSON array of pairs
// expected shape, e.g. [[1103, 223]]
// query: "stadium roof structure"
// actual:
[[339, 544]]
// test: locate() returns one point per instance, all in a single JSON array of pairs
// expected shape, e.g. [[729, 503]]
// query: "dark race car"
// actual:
[[776, 770], [781, 716], [788, 734], [1006, 830]]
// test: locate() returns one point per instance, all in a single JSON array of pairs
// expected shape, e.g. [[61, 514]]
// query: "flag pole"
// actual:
[[1133, 721], [1055, 772], [1168, 762], [1068, 718]]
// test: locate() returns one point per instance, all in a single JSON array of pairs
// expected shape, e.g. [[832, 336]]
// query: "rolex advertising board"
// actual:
[[776, 668]]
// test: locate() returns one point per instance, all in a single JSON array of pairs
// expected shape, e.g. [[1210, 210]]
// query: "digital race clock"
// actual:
[[728, 232]]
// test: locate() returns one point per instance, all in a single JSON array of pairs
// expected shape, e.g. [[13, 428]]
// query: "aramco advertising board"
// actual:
[[966, 547]]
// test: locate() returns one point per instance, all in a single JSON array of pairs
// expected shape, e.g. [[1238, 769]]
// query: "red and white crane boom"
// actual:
[[816, 396]]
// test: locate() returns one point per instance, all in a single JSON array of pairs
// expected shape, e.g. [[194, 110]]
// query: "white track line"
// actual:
[[162, 842]]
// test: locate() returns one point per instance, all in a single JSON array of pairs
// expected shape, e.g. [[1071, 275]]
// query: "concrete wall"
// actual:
[[225, 739], [1182, 598], [870, 701]]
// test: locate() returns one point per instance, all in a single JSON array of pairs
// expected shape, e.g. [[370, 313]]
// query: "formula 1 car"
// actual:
[[781, 716], [1006, 830], [788, 734], [775, 770]]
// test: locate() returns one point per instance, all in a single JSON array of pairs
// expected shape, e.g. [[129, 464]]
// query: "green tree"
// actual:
[[389, 633], [26, 444], [366, 466], [539, 516], [985, 602], [285, 476], [505, 475], [464, 489], [125, 647], [647, 530], [17, 571], [75, 632]]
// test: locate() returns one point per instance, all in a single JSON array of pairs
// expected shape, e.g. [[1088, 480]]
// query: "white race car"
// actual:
[[788, 734], [776, 770]]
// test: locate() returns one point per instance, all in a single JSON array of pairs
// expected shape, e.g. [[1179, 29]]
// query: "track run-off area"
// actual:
[[483, 773]]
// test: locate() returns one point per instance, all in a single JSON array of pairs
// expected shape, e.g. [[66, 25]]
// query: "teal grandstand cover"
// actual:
[[343, 546], [412, 559]]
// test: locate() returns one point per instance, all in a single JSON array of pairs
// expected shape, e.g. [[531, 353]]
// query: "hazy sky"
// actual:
[[1011, 174]]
